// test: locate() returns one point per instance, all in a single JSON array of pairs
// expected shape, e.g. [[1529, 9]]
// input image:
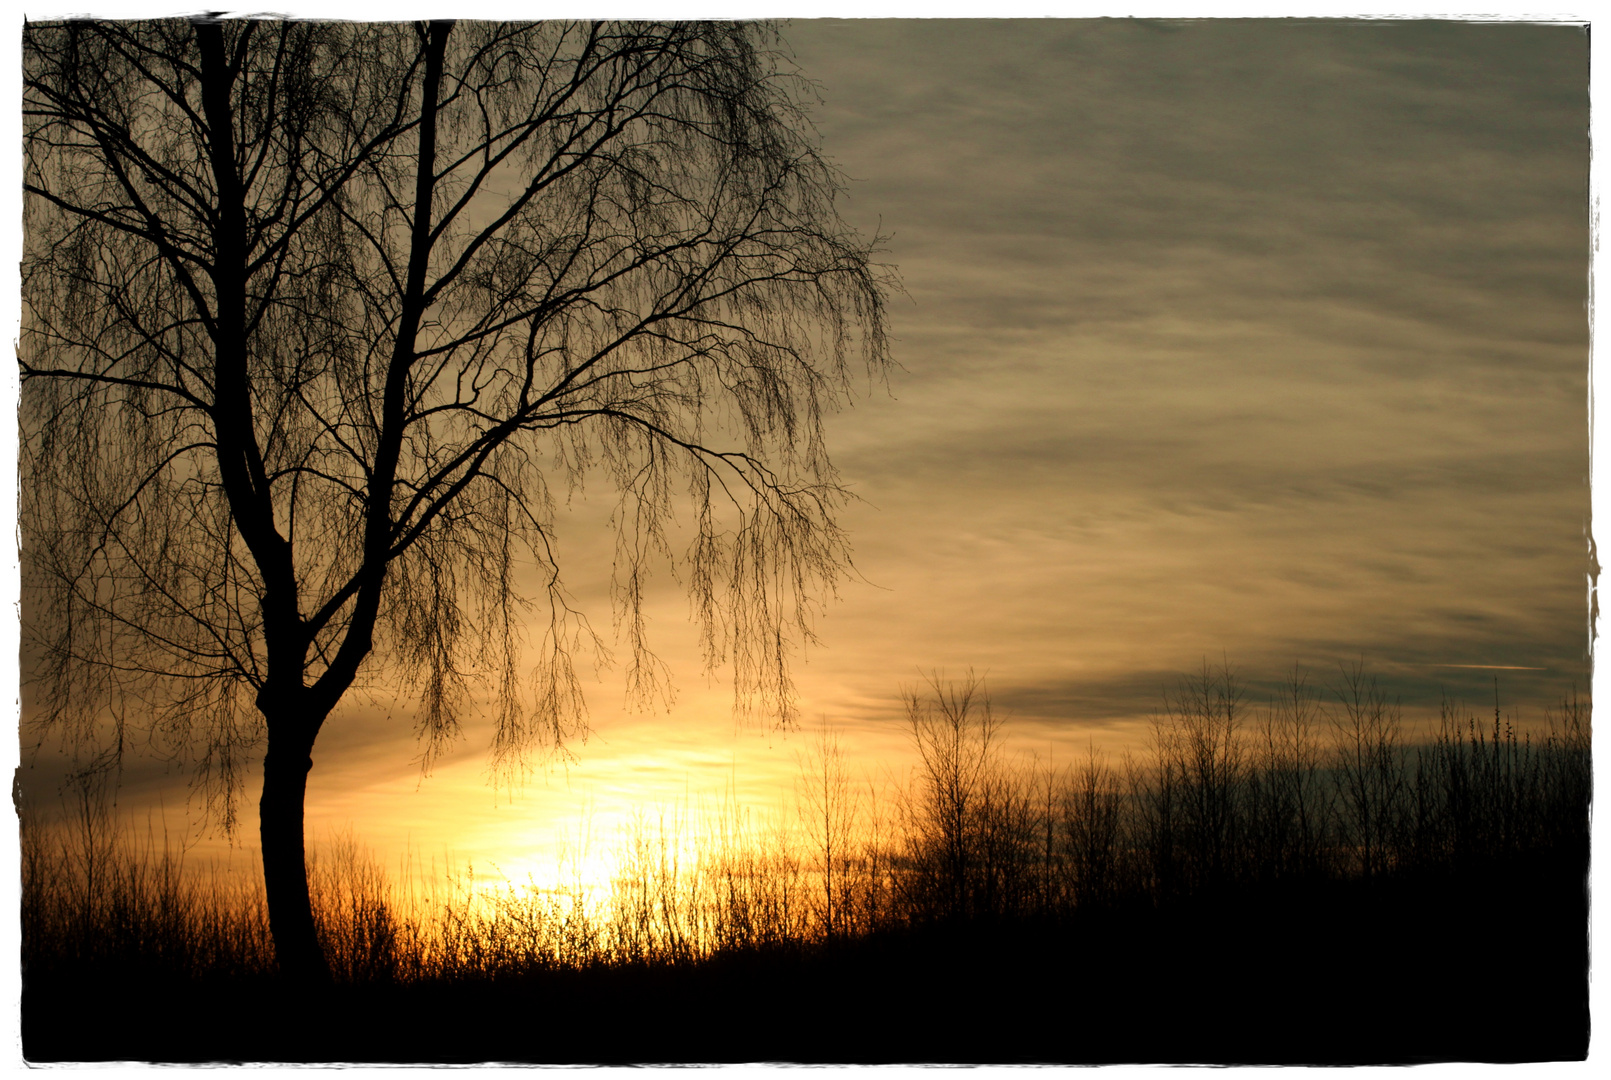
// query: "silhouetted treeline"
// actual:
[[1426, 873], [1229, 796]]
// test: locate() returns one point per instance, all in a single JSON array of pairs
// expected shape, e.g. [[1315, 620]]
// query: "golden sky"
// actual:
[[1262, 341]]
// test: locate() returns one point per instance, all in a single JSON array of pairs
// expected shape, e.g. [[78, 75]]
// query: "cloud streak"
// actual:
[[1263, 338]]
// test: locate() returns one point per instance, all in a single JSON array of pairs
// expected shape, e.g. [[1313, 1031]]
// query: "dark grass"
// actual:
[[1434, 907], [1453, 968]]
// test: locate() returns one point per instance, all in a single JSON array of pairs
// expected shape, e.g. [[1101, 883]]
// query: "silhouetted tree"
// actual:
[[1369, 763], [318, 316], [970, 821], [1093, 815], [828, 808], [1191, 802], [1288, 799]]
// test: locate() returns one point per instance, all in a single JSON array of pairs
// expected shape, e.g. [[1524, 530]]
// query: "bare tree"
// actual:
[[1192, 801], [1093, 807], [1368, 753], [319, 318], [963, 819], [1288, 805], [828, 807]]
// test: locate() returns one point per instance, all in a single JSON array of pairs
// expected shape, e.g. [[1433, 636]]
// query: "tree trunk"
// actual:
[[285, 871]]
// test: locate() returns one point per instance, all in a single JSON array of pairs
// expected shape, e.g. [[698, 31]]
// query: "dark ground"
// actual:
[[1484, 967]]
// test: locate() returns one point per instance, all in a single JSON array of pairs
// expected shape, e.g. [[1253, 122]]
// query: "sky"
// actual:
[[1257, 338], [1248, 342]]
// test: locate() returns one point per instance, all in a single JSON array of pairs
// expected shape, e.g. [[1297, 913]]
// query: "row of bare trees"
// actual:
[[1311, 785]]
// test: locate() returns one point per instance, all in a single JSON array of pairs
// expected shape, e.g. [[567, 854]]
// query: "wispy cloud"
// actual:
[[1263, 338]]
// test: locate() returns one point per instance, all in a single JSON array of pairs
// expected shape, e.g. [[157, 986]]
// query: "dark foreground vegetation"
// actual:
[[1302, 883]]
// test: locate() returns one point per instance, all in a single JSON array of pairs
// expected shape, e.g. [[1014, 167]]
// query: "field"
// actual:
[[1302, 882]]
